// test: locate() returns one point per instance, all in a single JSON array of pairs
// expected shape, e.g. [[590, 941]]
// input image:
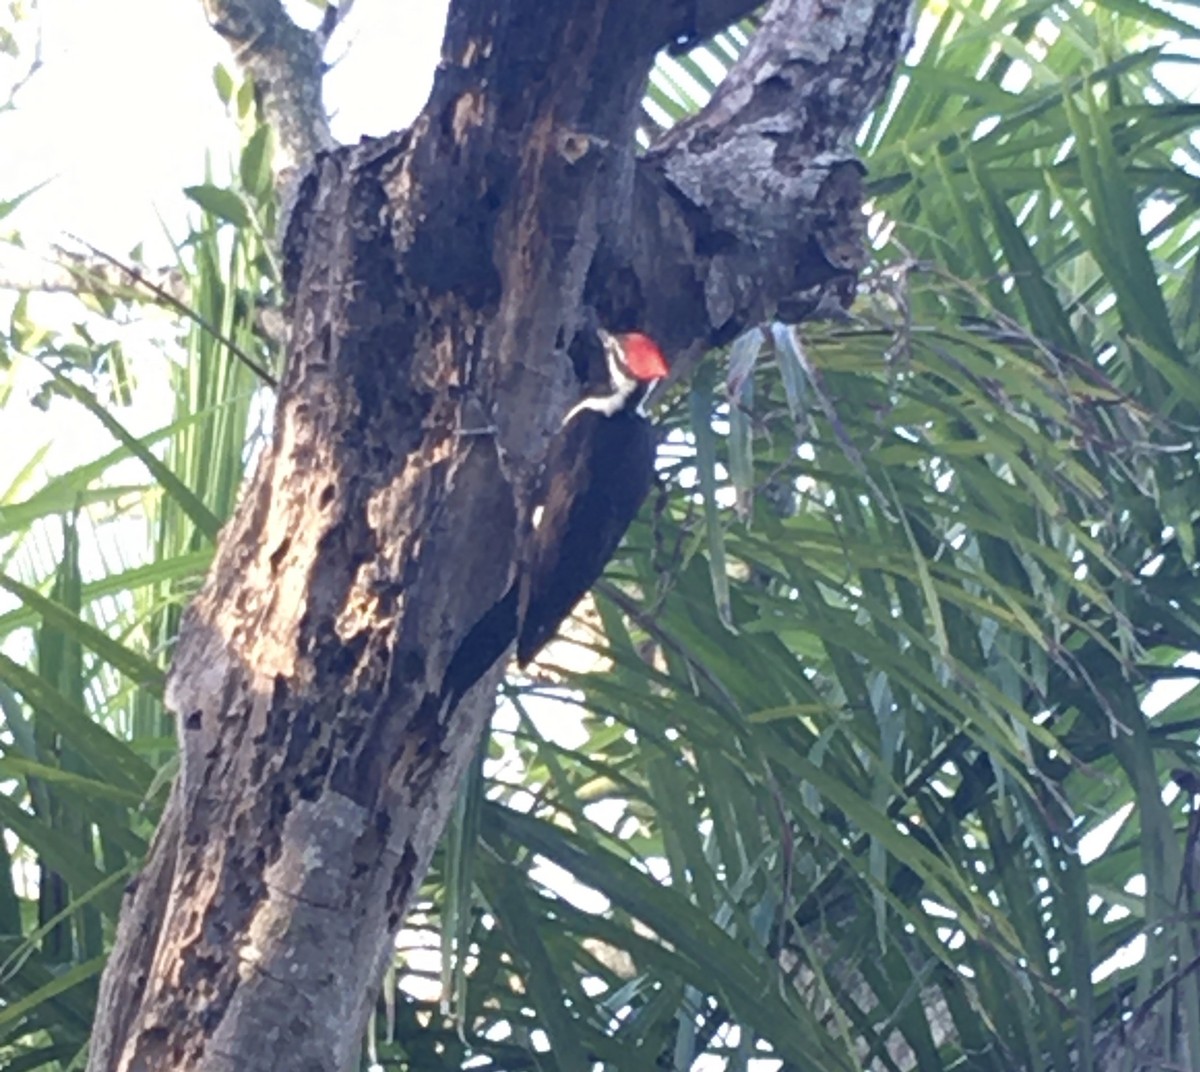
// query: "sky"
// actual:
[[121, 115]]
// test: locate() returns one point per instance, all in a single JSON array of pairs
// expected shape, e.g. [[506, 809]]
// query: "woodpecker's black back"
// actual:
[[599, 470]]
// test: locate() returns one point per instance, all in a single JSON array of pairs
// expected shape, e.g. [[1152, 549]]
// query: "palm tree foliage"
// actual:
[[891, 759]]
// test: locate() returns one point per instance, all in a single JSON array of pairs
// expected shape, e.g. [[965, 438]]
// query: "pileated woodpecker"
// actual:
[[599, 468]]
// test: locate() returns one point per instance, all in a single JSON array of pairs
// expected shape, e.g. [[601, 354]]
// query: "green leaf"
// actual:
[[254, 168], [223, 81], [706, 465], [75, 976], [136, 667], [107, 756], [224, 204], [688, 931], [9, 206], [187, 500], [509, 902], [245, 97]]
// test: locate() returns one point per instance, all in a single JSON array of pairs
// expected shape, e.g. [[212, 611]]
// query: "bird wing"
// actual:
[[600, 470]]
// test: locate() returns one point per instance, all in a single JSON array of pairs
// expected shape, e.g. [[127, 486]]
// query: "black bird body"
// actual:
[[599, 469]]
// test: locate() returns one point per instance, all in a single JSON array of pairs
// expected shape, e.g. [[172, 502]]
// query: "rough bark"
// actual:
[[440, 277]]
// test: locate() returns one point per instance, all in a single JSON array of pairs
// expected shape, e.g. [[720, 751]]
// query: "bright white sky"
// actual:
[[122, 113]]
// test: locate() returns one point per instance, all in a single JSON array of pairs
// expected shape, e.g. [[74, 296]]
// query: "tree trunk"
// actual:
[[439, 278]]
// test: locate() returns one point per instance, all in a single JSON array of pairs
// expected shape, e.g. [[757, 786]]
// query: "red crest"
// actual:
[[643, 358]]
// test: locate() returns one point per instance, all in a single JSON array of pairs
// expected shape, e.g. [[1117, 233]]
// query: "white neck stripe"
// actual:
[[611, 405], [624, 385], [608, 405]]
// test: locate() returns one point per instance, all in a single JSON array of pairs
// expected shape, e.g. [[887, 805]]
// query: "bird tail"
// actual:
[[486, 641]]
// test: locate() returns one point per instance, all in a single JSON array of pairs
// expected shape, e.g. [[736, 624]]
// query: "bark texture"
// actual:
[[440, 278]]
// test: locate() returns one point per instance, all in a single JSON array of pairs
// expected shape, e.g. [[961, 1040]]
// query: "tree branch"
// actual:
[[287, 65], [335, 15], [751, 209]]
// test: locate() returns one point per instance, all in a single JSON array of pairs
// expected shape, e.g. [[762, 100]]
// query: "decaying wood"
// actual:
[[440, 277]]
